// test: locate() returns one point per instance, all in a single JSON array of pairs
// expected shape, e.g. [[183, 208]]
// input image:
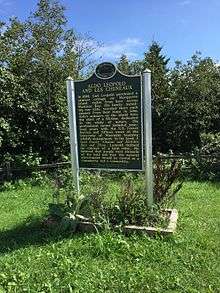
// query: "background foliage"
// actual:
[[37, 55]]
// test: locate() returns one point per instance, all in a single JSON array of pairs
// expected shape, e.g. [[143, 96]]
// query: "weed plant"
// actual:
[[110, 202]]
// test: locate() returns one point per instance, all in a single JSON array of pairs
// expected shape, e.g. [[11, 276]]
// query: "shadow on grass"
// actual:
[[31, 232]]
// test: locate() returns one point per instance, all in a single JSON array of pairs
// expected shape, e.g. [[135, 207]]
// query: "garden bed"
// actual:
[[85, 225], [82, 224]]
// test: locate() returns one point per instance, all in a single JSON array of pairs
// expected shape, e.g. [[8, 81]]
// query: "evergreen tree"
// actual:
[[130, 67], [136, 67], [157, 63], [124, 65]]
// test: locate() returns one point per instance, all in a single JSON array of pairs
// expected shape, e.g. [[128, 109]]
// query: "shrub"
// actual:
[[166, 174], [206, 160]]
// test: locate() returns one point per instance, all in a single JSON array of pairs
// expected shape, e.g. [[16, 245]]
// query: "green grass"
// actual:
[[34, 260]]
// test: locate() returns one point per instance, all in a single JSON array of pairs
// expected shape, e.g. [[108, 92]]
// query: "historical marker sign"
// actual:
[[106, 127], [109, 120]]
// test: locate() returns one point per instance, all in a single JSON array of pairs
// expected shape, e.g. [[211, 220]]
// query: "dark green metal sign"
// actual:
[[109, 120]]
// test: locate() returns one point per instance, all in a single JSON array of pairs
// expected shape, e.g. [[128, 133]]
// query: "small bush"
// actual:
[[166, 176], [205, 164]]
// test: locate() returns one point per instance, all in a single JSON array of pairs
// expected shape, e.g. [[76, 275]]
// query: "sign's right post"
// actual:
[[148, 162]]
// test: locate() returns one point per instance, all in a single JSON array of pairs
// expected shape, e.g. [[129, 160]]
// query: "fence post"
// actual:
[[8, 171]]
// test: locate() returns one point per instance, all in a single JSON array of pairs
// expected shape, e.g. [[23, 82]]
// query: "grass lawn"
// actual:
[[31, 260]]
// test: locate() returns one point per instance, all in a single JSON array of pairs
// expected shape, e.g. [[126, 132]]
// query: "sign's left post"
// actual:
[[73, 132]]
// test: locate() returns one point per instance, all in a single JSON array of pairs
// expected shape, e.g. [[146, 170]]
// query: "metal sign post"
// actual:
[[148, 164], [73, 132]]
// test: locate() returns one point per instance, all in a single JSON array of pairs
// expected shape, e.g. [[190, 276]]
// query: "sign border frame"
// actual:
[[142, 121]]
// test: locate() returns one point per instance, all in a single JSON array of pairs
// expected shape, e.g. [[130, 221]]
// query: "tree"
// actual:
[[136, 67], [14, 51], [40, 53], [157, 63], [13, 101], [161, 95], [33, 51], [130, 67], [195, 105], [124, 65]]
